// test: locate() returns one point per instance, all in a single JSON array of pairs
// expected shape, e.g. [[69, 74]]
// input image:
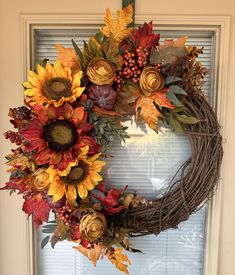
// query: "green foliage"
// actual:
[[106, 130], [178, 117], [171, 79], [111, 50], [79, 53], [93, 48], [171, 95]]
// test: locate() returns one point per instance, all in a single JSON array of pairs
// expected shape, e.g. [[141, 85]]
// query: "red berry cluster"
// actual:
[[132, 66], [14, 137], [65, 215]]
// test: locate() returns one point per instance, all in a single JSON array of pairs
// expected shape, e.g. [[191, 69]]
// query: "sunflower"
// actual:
[[77, 179], [53, 85], [57, 135]]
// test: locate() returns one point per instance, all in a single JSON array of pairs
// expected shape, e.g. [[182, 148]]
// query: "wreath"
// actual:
[[73, 111]]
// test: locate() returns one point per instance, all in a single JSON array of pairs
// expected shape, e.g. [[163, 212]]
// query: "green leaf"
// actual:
[[176, 125], [45, 241], [172, 79], [111, 50], [173, 99], [48, 230], [187, 119], [177, 90], [78, 52], [179, 109]]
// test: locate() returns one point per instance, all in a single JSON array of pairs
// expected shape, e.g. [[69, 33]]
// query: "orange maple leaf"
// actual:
[[178, 43], [93, 254], [120, 260], [118, 26], [145, 107], [68, 58]]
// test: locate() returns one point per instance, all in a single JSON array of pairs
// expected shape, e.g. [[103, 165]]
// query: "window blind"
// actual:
[[146, 163]]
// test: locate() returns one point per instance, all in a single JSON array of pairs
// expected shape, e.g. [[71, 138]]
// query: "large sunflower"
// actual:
[[77, 179], [58, 134], [53, 84]]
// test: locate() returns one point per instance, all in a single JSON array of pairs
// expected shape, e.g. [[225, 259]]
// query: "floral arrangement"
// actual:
[[73, 111]]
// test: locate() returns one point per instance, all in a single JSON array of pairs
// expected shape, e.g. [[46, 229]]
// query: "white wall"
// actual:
[[12, 225]]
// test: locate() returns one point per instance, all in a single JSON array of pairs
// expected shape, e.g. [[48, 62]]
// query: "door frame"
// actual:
[[220, 25]]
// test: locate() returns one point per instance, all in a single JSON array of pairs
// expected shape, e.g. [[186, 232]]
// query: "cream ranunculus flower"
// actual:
[[100, 71], [40, 179], [151, 80], [92, 226]]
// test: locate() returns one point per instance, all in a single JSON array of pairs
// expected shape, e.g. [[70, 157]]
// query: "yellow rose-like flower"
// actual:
[[40, 179], [100, 71], [92, 226], [151, 80]]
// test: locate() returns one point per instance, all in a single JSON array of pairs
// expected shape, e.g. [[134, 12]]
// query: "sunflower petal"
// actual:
[[97, 165], [57, 190], [28, 85], [50, 70], [34, 79], [82, 191], [87, 182], [71, 194], [94, 176], [95, 157]]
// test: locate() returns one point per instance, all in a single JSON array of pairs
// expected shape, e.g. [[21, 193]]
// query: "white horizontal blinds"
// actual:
[[146, 163]]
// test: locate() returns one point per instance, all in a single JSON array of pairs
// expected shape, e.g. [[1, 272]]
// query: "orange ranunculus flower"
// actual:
[[93, 225], [151, 80], [40, 179], [100, 71]]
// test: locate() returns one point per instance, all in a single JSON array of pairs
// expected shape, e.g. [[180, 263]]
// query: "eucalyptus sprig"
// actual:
[[106, 130]]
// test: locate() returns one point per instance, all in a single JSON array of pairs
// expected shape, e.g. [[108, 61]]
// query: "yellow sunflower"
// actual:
[[53, 84], [79, 177]]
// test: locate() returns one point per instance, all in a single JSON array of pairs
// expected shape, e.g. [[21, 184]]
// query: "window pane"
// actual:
[[146, 163]]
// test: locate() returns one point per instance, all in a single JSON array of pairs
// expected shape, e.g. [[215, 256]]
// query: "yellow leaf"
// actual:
[[68, 58], [120, 260], [118, 26], [93, 254], [145, 107]]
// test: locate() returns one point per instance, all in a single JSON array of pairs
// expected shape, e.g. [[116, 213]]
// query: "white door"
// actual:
[[15, 235]]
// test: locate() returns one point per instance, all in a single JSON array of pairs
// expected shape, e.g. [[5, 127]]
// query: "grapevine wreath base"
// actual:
[[199, 176], [76, 107]]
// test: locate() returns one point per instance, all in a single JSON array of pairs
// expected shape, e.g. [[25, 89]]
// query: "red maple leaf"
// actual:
[[19, 184], [143, 37], [111, 201], [38, 208]]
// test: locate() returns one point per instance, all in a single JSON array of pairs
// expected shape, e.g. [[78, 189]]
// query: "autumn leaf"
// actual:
[[143, 37], [93, 254], [38, 208], [145, 108], [160, 97], [68, 57], [118, 26], [169, 51], [104, 112], [111, 201], [177, 43], [120, 260], [126, 98], [91, 49], [111, 50]]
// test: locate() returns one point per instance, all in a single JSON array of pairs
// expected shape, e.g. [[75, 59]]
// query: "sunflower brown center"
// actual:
[[56, 88], [77, 173], [61, 135]]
